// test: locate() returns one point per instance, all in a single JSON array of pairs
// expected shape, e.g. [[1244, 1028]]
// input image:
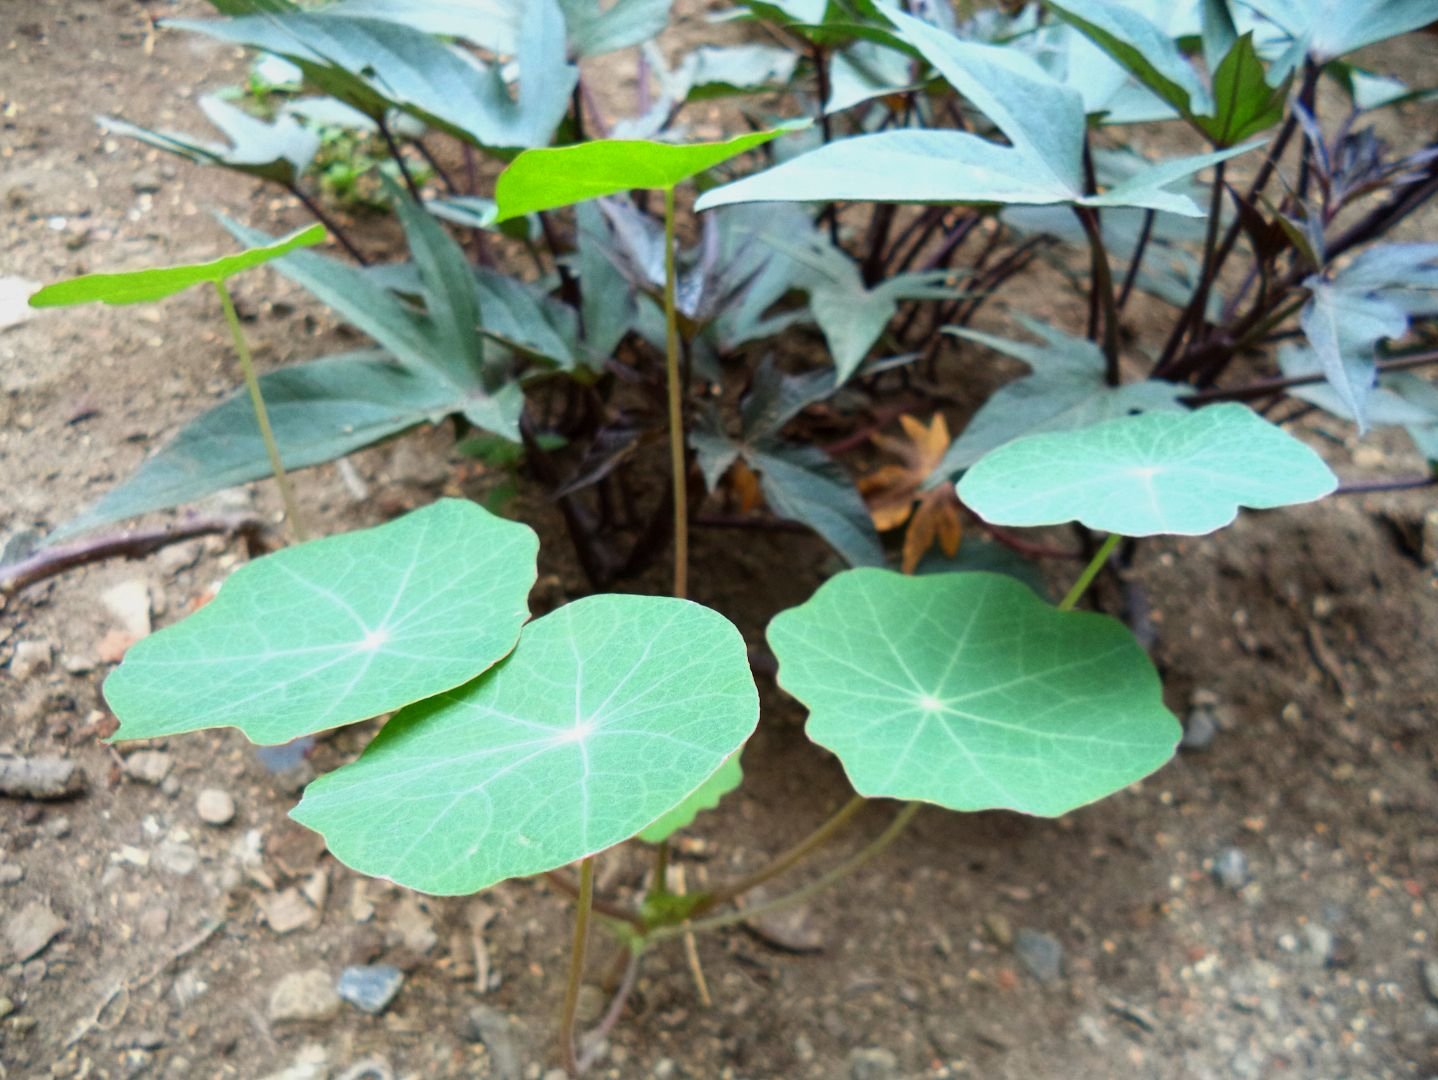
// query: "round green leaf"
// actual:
[[136, 286], [1185, 473], [607, 715], [705, 797], [968, 691], [336, 630]]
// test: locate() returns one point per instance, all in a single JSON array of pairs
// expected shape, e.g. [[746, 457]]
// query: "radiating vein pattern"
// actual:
[[337, 630], [609, 713], [968, 691], [1184, 473]]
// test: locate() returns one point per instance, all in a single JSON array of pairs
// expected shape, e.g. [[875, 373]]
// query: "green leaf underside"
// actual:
[[609, 713], [968, 691], [560, 176], [137, 286], [705, 797], [320, 410], [336, 630], [1160, 473]]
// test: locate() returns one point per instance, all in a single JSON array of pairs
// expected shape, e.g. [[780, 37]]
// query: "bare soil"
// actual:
[[1307, 637]]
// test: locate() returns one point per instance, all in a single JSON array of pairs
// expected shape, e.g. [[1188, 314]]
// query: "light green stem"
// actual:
[[267, 434], [569, 1016], [819, 884], [676, 406], [1090, 572]]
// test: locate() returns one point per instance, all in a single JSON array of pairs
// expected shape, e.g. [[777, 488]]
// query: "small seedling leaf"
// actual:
[[1164, 472], [138, 286], [563, 175], [336, 630], [610, 712], [968, 691], [705, 797]]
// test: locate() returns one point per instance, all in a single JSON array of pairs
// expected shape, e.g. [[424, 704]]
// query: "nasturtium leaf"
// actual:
[[137, 286], [560, 176], [969, 691], [320, 410], [336, 630], [609, 713], [1163, 472], [705, 797]]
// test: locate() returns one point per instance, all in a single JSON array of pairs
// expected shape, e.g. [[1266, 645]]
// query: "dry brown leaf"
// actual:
[[895, 493]]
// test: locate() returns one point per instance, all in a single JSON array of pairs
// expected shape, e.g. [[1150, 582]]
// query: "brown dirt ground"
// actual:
[[1314, 633]]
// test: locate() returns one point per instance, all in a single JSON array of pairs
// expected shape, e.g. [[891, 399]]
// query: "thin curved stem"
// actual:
[[795, 855], [1090, 572], [262, 416], [844, 869], [678, 467], [594, 1040], [576, 966]]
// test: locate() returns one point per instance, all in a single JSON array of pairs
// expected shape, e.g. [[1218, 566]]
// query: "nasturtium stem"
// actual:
[[845, 868], [262, 416], [576, 966], [1090, 572], [796, 854], [676, 406]]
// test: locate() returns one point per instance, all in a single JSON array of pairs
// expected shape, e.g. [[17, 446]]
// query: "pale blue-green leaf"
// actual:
[[609, 305], [1384, 407], [490, 24], [727, 778], [279, 151], [1218, 32], [469, 211], [1067, 390], [801, 483], [712, 71], [595, 30], [1423, 395], [1142, 48], [1344, 326], [1159, 473], [1147, 188], [1042, 118], [980, 554], [864, 71], [319, 410], [1328, 29], [969, 691], [609, 713], [336, 630]]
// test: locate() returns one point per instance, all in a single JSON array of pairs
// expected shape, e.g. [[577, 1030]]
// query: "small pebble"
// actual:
[[149, 766], [6, 1007], [999, 929], [30, 929], [215, 807], [1428, 973], [1042, 954], [873, 1063], [1201, 729], [170, 786], [370, 987], [30, 658], [10, 873], [1230, 869], [304, 995], [178, 859], [492, 1028]]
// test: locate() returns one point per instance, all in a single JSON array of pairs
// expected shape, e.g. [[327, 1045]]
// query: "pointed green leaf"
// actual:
[[1327, 29], [968, 691], [138, 286], [801, 484], [560, 176], [595, 30], [1244, 103], [336, 630], [1163, 472], [1141, 47], [705, 797], [279, 151], [1068, 389], [320, 410], [609, 713]]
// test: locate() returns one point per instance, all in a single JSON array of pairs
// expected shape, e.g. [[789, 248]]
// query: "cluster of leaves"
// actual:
[[821, 298]]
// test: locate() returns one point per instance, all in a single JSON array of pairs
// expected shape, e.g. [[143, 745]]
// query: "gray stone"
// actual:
[[40, 777], [287, 911], [304, 995], [1230, 869], [30, 658], [1042, 954], [178, 859], [6, 1007], [873, 1063], [1200, 730], [1428, 974], [10, 873], [30, 929], [492, 1028], [1320, 941], [370, 987], [215, 807], [149, 766]]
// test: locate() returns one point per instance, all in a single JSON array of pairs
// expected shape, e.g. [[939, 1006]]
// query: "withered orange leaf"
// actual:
[[893, 492]]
